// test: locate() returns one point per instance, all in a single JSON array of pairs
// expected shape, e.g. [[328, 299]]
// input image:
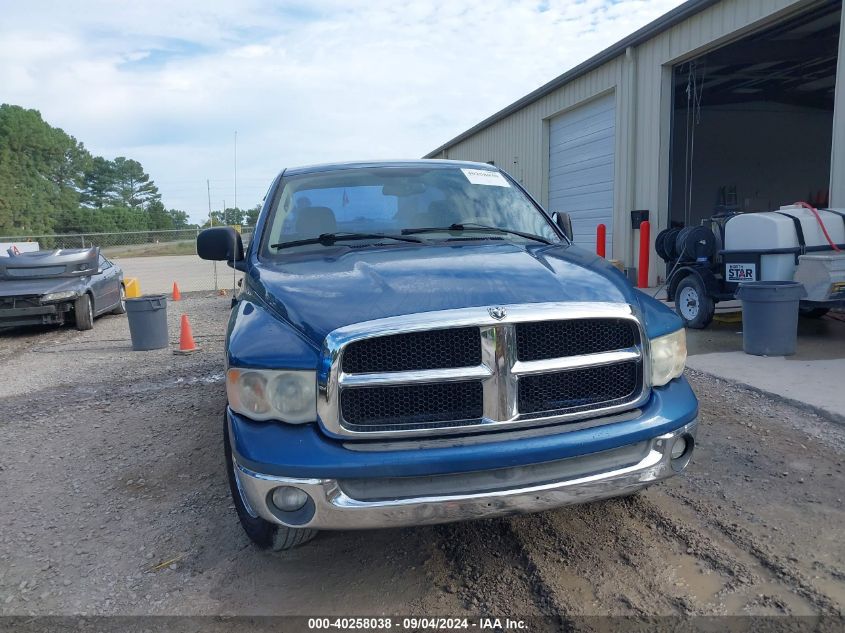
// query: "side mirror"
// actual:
[[221, 243], [564, 223]]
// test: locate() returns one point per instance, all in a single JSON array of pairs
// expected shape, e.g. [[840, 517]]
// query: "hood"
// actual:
[[29, 287], [320, 291]]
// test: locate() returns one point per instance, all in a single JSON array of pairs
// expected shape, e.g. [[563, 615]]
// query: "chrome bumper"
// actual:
[[332, 509]]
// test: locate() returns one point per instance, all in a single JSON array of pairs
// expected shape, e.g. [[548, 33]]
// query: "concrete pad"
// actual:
[[814, 377]]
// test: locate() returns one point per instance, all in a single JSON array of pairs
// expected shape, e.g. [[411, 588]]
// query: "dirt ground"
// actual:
[[113, 500]]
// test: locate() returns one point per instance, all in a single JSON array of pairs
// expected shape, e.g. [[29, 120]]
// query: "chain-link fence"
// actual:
[[156, 258]]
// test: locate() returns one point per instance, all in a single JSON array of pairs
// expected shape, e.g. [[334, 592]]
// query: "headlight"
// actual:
[[263, 394], [58, 296], [668, 357]]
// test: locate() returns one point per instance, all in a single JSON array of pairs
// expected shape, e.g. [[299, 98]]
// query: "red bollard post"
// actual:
[[601, 239], [645, 240]]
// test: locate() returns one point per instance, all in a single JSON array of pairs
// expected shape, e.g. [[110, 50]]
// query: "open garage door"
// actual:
[[752, 121], [581, 157]]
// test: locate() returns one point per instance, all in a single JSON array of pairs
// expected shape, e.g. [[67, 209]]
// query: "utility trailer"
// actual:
[[707, 263]]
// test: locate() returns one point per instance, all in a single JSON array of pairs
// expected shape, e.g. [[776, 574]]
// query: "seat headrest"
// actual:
[[315, 221]]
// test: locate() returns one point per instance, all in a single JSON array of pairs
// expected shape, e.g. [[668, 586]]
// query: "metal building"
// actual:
[[718, 105]]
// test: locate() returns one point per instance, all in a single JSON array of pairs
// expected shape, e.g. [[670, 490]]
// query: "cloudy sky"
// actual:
[[168, 82]]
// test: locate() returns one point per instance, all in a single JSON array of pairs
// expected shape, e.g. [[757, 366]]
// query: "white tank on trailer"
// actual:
[[771, 230]]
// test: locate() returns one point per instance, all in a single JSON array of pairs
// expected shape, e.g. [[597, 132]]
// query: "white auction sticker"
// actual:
[[485, 177]]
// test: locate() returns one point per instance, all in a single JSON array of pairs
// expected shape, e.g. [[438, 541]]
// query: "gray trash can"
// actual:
[[148, 322], [770, 316]]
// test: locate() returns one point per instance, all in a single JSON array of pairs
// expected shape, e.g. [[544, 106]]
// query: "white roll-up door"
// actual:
[[581, 151]]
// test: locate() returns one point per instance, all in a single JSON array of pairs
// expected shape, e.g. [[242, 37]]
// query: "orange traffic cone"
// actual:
[[177, 296], [186, 338]]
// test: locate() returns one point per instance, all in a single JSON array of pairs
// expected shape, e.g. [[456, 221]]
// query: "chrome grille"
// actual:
[[556, 339], [412, 406], [580, 389], [436, 349], [475, 369]]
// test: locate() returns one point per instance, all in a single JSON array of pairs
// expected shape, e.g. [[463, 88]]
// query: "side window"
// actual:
[[104, 263]]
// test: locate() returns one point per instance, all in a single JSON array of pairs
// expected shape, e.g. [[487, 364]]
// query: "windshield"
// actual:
[[390, 200]]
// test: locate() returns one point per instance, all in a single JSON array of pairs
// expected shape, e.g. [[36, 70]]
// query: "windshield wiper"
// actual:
[[328, 239], [472, 226]]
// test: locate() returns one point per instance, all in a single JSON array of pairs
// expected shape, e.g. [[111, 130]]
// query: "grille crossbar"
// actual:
[[496, 374]]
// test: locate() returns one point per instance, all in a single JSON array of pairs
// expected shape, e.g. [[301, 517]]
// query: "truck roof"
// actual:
[[306, 169]]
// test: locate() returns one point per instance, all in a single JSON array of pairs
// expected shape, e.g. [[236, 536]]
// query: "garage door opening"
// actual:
[[752, 121]]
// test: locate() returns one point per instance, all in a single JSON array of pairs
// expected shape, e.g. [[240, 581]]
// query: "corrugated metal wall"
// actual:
[[517, 143], [641, 82]]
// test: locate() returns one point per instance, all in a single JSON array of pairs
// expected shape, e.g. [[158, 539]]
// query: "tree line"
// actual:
[[233, 215], [50, 183]]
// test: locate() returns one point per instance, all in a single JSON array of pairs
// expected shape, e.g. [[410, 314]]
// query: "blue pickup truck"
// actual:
[[419, 342]]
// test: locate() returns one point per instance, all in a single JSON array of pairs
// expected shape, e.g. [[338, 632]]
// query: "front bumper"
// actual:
[[33, 315], [330, 507]]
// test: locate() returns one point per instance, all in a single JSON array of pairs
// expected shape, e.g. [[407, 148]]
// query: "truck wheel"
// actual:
[[83, 312], [812, 313], [120, 308], [693, 304], [264, 534]]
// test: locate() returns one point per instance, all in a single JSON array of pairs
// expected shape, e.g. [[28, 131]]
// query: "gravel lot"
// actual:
[[114, 501]]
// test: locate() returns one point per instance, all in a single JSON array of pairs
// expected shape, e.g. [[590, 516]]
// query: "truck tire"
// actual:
[[83, 313], [120, 308], [262, 533], [693, 304], [812, 313]]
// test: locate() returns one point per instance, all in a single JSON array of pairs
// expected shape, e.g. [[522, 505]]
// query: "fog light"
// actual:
[[289, 499], [679, 447]]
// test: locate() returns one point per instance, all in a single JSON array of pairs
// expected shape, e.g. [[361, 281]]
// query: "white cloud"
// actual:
[[169, 82]]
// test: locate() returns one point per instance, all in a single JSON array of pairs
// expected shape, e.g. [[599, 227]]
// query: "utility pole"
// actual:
[[236, 169], [210, 218], [225, 214], [211, 223]]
